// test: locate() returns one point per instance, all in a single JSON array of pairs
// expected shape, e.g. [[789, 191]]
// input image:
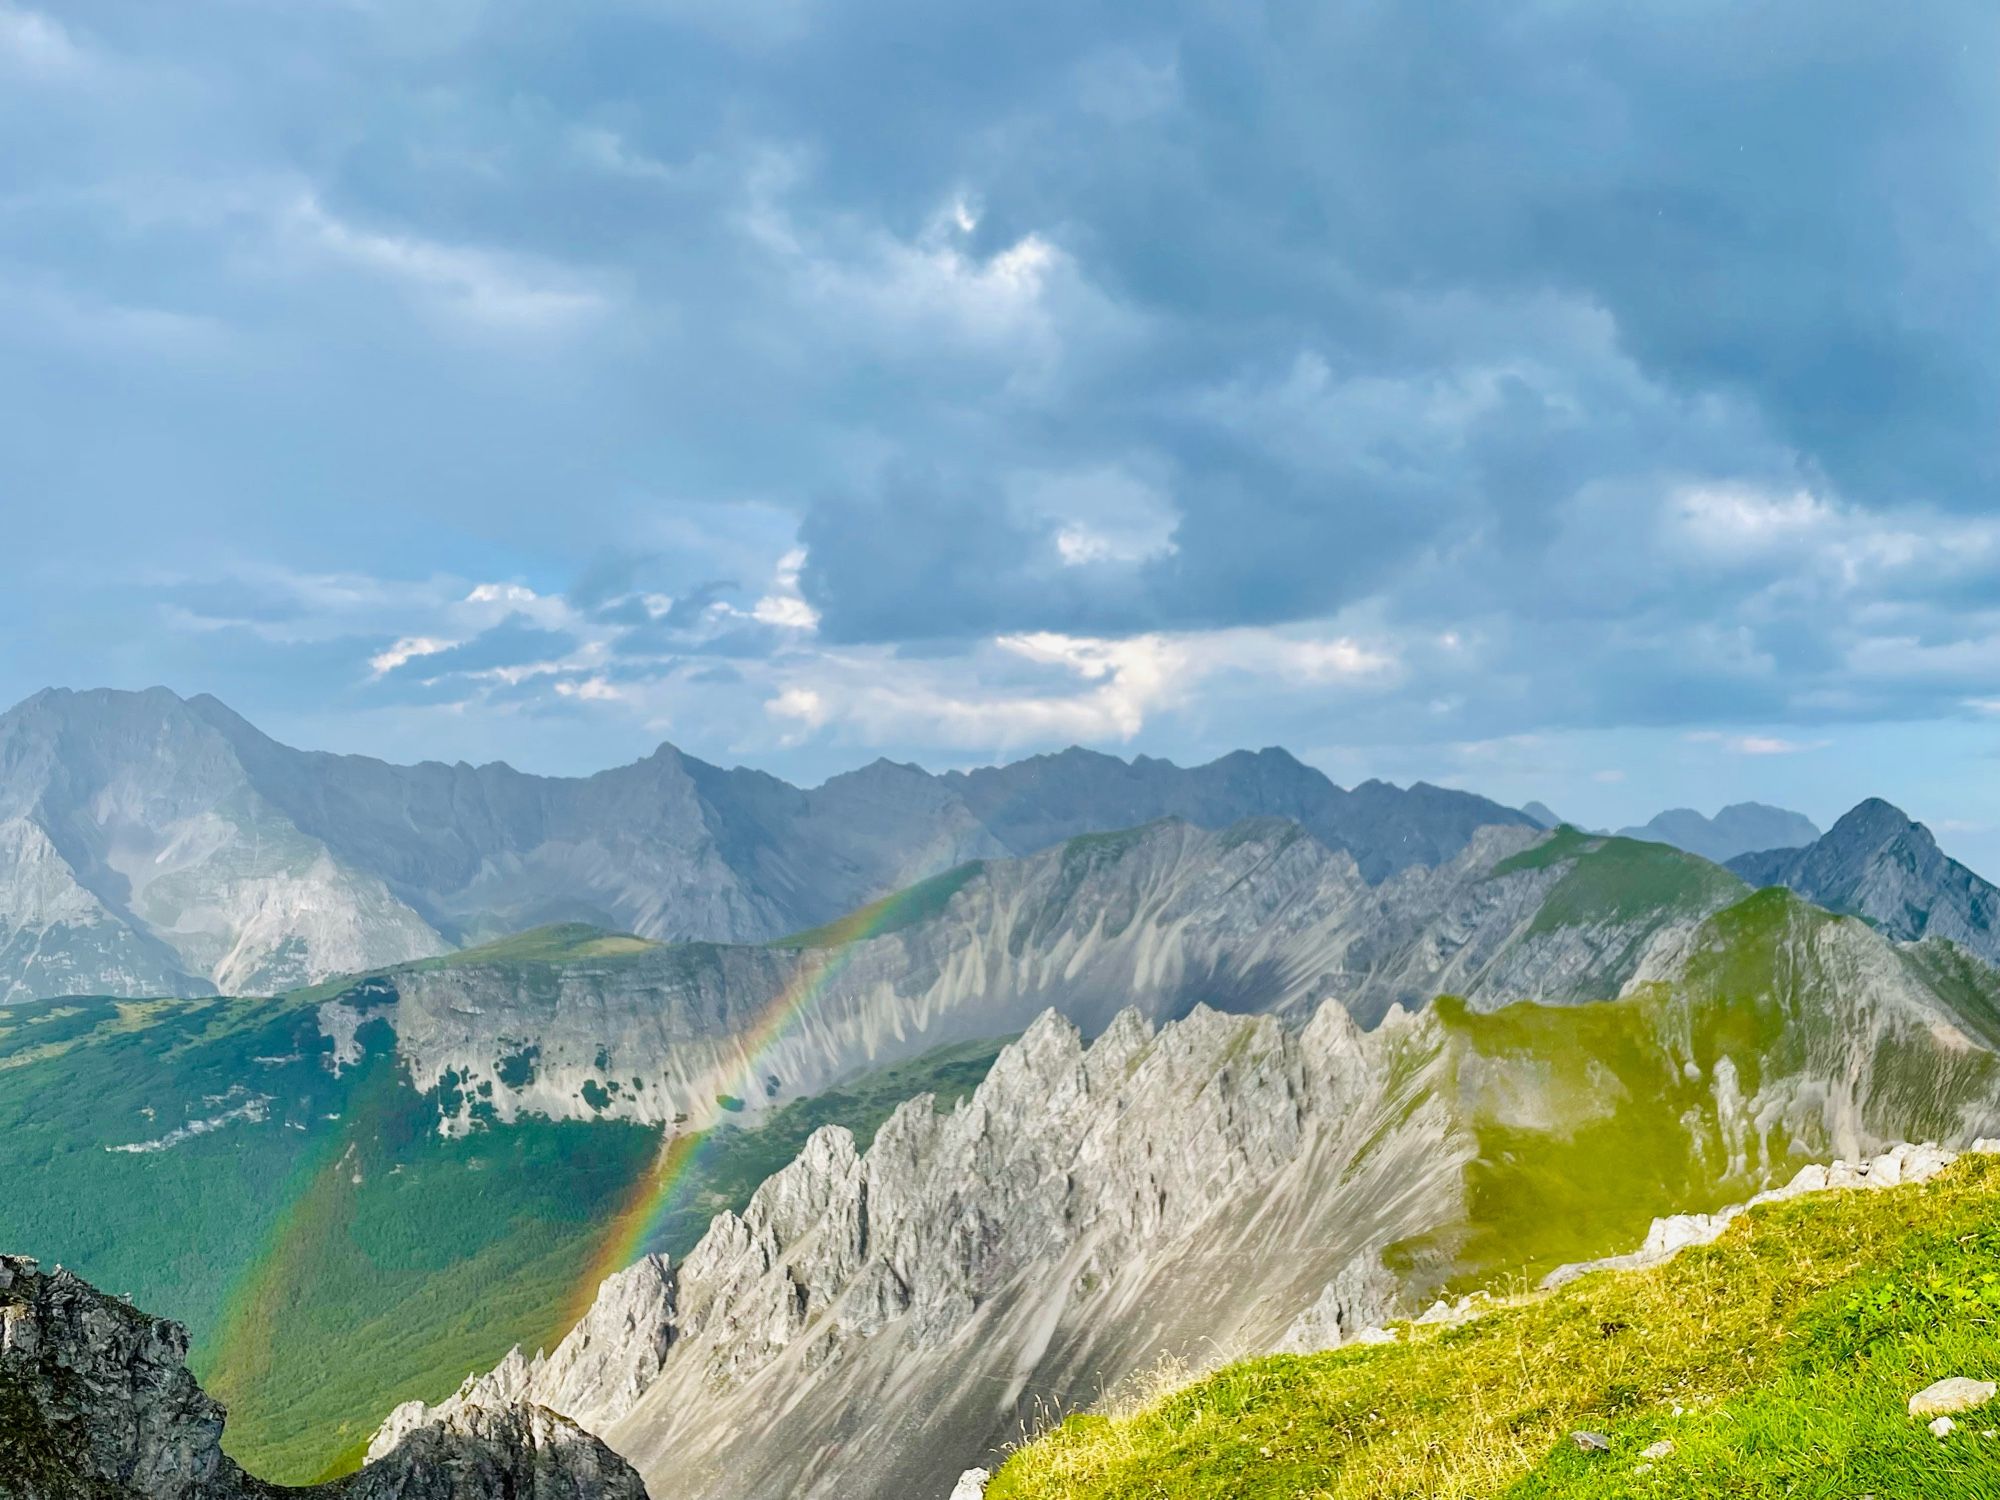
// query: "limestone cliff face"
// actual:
[[96, 1403], [872, 1323], [1256, 918]]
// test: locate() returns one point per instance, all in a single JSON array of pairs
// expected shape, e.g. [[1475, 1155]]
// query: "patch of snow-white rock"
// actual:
[[1677, 1232]]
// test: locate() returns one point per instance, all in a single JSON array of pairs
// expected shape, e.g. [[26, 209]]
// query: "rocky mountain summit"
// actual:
[[151, 844], [1879, 863], [96, 1403], [878, 1322]]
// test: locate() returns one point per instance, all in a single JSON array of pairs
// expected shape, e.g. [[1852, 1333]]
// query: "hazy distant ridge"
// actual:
[[151, 843]]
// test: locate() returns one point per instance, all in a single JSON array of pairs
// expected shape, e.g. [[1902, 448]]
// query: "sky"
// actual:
[[1587, 403]]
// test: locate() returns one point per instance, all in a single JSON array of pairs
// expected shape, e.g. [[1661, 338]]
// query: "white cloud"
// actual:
[[489, 288], [1811, 542], [406, 649], [33, 43], [1025, 299], [1755, 744], [1103, 689], [914, 285], [1736, 520], [802, 705], [784, 605], [1102, 514], [591, 690]]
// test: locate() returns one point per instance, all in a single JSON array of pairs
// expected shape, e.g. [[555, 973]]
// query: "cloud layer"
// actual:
[[802, 380]]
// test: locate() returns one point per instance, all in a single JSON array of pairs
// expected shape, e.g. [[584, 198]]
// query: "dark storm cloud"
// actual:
[[1063, 317]]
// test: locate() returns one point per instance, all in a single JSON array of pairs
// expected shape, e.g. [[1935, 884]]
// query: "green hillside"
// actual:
[[1777, 1362], [330, 1252]]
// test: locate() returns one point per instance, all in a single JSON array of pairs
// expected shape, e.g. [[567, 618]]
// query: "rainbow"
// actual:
[[655, 1194]]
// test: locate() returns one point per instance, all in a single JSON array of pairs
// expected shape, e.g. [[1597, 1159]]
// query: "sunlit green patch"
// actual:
[[1776, 1363]]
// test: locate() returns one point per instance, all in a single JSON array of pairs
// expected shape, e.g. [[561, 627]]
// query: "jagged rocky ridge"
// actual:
[[151, 844], [876, 1323], [1879, 863], [1258, 917], [96, 1403]]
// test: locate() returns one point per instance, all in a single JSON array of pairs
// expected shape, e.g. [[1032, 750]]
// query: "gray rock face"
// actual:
[[150, 844], [873, 1324], [1259, 917], [96, 1403], [1879, 864], [1738, 829], [136, 857]]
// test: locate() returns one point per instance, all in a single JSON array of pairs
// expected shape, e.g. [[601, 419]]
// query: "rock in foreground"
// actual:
[[96, 1402]]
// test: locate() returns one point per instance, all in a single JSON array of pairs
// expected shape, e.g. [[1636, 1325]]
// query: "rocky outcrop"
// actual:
[[96, 1403]]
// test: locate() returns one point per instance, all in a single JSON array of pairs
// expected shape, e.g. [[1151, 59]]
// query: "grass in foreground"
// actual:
[[1777, 1362]]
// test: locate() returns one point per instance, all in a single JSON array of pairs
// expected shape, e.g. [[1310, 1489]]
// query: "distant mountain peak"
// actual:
[[1738, 829], [1542, 813], [1874, 821], [1879, 863]]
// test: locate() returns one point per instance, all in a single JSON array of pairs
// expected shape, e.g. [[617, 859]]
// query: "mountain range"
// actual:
[[898, 1110], [1239, 1096], [151, 844], [1740, 828], [875, 1322]]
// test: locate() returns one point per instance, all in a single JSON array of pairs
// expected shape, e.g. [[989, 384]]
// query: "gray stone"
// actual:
[[1956, 1394], [98, 1402]]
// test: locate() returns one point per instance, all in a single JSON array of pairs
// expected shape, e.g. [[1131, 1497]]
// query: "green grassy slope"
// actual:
[[1618, 879], [330, 1253], [1590, 1120], [906, 908], [1776, 1362]]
